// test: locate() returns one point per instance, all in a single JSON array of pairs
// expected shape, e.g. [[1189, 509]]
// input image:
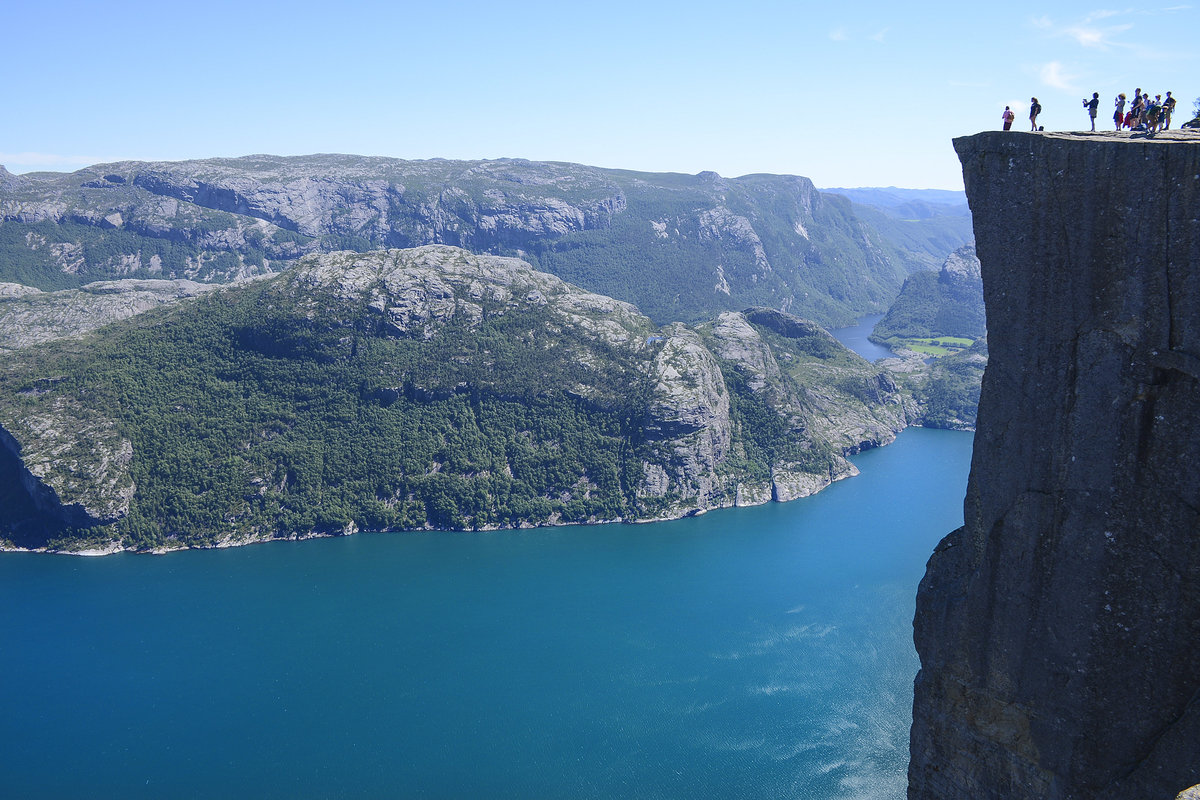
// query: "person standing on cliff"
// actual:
[[1119, 114], [1008, 116], [1167, 110], [1035, 108], [1092, 107]]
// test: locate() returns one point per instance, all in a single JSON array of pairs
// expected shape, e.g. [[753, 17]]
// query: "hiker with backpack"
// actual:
[[1008, 116], [1168, 108], [1035, 108]]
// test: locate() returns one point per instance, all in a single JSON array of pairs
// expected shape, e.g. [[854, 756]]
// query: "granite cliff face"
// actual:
[[1057, 628]]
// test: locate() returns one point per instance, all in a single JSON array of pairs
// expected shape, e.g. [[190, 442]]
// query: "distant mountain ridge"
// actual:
[[680, 247], [893, 196], [933, 222]]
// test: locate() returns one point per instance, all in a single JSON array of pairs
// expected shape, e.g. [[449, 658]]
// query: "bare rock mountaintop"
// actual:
[[1057, 628]]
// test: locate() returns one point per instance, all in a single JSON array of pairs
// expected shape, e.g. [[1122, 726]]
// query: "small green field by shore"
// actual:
[[938, 346]]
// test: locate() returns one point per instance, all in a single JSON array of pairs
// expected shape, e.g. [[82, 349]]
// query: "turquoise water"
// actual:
[[761, 652]]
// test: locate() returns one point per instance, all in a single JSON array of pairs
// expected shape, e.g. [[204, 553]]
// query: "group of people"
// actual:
[[1144, 114], [1150, 115]]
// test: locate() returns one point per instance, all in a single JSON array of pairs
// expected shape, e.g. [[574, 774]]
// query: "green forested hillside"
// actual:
[[946, 303], [243, 417], [394, 390]]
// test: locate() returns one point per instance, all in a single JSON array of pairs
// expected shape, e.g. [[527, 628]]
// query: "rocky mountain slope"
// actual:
[[32, 316], [400, 389], [681, 247], [1057, 628]]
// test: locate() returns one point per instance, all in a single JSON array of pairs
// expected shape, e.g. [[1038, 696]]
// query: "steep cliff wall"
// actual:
[[1057, 628]]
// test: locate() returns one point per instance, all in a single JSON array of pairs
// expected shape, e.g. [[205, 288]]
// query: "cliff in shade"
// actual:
[[1057, 629]]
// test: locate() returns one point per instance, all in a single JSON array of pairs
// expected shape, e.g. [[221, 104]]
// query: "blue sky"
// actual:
[[846, 93]]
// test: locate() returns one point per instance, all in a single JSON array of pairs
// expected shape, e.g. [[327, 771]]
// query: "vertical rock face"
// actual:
[[1057, 629]]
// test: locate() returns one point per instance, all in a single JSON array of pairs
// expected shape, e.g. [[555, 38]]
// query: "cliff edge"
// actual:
[[1057, 628]]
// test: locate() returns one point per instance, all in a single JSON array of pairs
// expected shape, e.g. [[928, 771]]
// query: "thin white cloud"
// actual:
[[1104, 30], [1056, 76], [878, 37], [839, 35], [1091, 36]]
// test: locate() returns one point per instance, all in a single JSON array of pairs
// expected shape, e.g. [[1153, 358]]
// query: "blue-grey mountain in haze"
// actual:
[[892, 197], [933, 222]]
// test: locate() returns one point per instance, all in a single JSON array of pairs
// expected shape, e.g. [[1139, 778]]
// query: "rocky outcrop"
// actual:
[[1057, 628], [826, 396], [29, 316], [72, 463], [689, 415]]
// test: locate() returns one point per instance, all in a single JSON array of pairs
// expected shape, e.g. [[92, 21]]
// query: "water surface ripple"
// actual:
[[749, 652]]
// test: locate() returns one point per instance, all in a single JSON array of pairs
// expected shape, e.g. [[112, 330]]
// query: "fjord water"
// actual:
[[758, 652], [855, 337]]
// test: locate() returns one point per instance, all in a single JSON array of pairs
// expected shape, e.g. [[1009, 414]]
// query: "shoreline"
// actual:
[[115, 547]]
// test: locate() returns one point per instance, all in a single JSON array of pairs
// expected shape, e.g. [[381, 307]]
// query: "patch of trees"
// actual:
[[315, 424]]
